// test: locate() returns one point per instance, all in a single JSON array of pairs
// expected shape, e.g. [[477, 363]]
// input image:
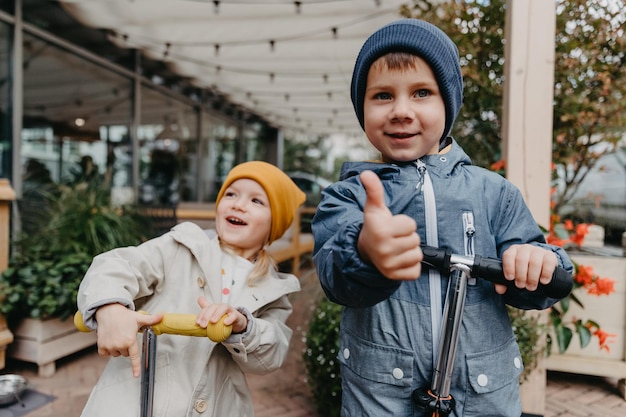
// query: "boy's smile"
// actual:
[[404, 112]]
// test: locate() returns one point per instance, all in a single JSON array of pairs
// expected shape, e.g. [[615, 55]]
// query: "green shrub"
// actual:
[[41, 287], [320, 358], [48, 263], [528, 331]]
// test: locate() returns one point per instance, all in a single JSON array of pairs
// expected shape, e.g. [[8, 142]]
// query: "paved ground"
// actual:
[[285, 393]]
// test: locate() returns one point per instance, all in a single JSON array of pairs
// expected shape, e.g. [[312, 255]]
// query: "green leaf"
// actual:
[[563, 337], [584, 334]]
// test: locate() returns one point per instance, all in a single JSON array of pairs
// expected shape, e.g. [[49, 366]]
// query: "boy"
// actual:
[[407, 91]]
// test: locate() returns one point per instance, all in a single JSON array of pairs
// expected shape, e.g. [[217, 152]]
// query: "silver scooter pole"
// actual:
[[436, 401]]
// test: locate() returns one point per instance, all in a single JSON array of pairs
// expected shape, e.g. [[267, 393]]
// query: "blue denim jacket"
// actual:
[[390, 329]]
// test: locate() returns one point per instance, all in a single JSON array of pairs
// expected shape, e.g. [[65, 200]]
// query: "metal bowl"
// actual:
[[11, 388]]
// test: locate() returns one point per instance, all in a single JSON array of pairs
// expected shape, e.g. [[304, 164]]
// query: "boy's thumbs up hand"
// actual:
[[389, 242]]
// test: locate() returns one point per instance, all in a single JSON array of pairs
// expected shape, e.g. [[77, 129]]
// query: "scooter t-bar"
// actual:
[[436, 401], [171, 323]]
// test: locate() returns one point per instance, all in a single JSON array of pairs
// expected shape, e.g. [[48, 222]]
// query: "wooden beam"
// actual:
[[527, 130]]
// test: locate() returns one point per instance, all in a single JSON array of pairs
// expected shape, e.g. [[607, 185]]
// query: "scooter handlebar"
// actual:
[[491, 269], [178, 324]]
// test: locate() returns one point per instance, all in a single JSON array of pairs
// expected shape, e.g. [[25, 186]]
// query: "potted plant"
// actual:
[[38, 289]]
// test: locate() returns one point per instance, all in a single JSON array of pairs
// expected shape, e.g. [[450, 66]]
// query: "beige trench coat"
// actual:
[[194, 376]]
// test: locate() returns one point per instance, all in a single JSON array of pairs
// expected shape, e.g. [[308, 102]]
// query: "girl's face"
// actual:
[[243, 217], [404, 113]]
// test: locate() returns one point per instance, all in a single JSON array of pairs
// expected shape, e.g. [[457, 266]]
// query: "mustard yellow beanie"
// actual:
[[284, 195]]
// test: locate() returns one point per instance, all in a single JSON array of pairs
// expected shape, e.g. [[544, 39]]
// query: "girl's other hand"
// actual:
[[212, 313]]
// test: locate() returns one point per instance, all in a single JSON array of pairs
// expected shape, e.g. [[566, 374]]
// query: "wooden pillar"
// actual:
[[528, 97], [527, 131], [7, 195]]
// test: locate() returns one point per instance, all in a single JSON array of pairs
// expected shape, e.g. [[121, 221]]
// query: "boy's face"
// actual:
[[244, 217], [404, 113]]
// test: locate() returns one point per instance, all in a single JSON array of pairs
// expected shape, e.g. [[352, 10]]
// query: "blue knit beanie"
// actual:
[[419, 38]]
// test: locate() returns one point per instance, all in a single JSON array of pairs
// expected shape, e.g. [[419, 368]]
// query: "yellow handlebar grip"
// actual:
[[178, 324], [79, 323], [218, 332], [185, 324]]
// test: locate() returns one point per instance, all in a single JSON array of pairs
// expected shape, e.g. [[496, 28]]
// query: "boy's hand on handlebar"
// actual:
[[212, 313], [389, 242], [527, 265], [117, 332]]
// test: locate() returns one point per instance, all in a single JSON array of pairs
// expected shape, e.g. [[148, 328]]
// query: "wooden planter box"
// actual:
[[44, 341], [610, 312], [6, 338]]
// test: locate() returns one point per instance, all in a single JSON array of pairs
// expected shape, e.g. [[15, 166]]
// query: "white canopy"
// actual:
[[288, 61]]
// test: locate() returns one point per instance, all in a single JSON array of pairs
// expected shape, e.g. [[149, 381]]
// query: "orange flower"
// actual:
[[584, 275], [603, 339], [582, 229], [498, 165], [569, 225], [580, 233], [554, 240], [602, 286]]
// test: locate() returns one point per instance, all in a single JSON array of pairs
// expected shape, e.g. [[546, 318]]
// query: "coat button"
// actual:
[[201, 406], [397, 373], [201, 282], [517, 362], [346, 353], [482, 380]]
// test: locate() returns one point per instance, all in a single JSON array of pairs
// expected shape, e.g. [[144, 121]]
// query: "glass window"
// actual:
[[74, 112], [168, 149], [5, 100]]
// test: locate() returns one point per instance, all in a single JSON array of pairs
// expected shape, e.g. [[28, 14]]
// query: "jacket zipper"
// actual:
[[421, 170], [425, 186], [470, 230]]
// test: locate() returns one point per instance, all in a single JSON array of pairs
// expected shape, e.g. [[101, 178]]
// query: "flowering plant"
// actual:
[[569, 236], [566, 235]]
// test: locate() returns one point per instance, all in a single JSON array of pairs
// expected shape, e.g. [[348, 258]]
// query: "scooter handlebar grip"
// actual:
[[178, 324], [185, 325], [491, 269], [79, 323], [561, 284]]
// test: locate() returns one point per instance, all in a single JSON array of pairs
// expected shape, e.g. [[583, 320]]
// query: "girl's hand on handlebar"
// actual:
[[527, 265], [117, 332], [212, 313]]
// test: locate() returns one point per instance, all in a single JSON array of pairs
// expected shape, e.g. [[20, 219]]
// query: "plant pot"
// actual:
[[610, 311], [44, 341], [6, 337]]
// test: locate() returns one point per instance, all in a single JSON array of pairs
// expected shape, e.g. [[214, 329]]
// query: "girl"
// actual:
[[188, 270]]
